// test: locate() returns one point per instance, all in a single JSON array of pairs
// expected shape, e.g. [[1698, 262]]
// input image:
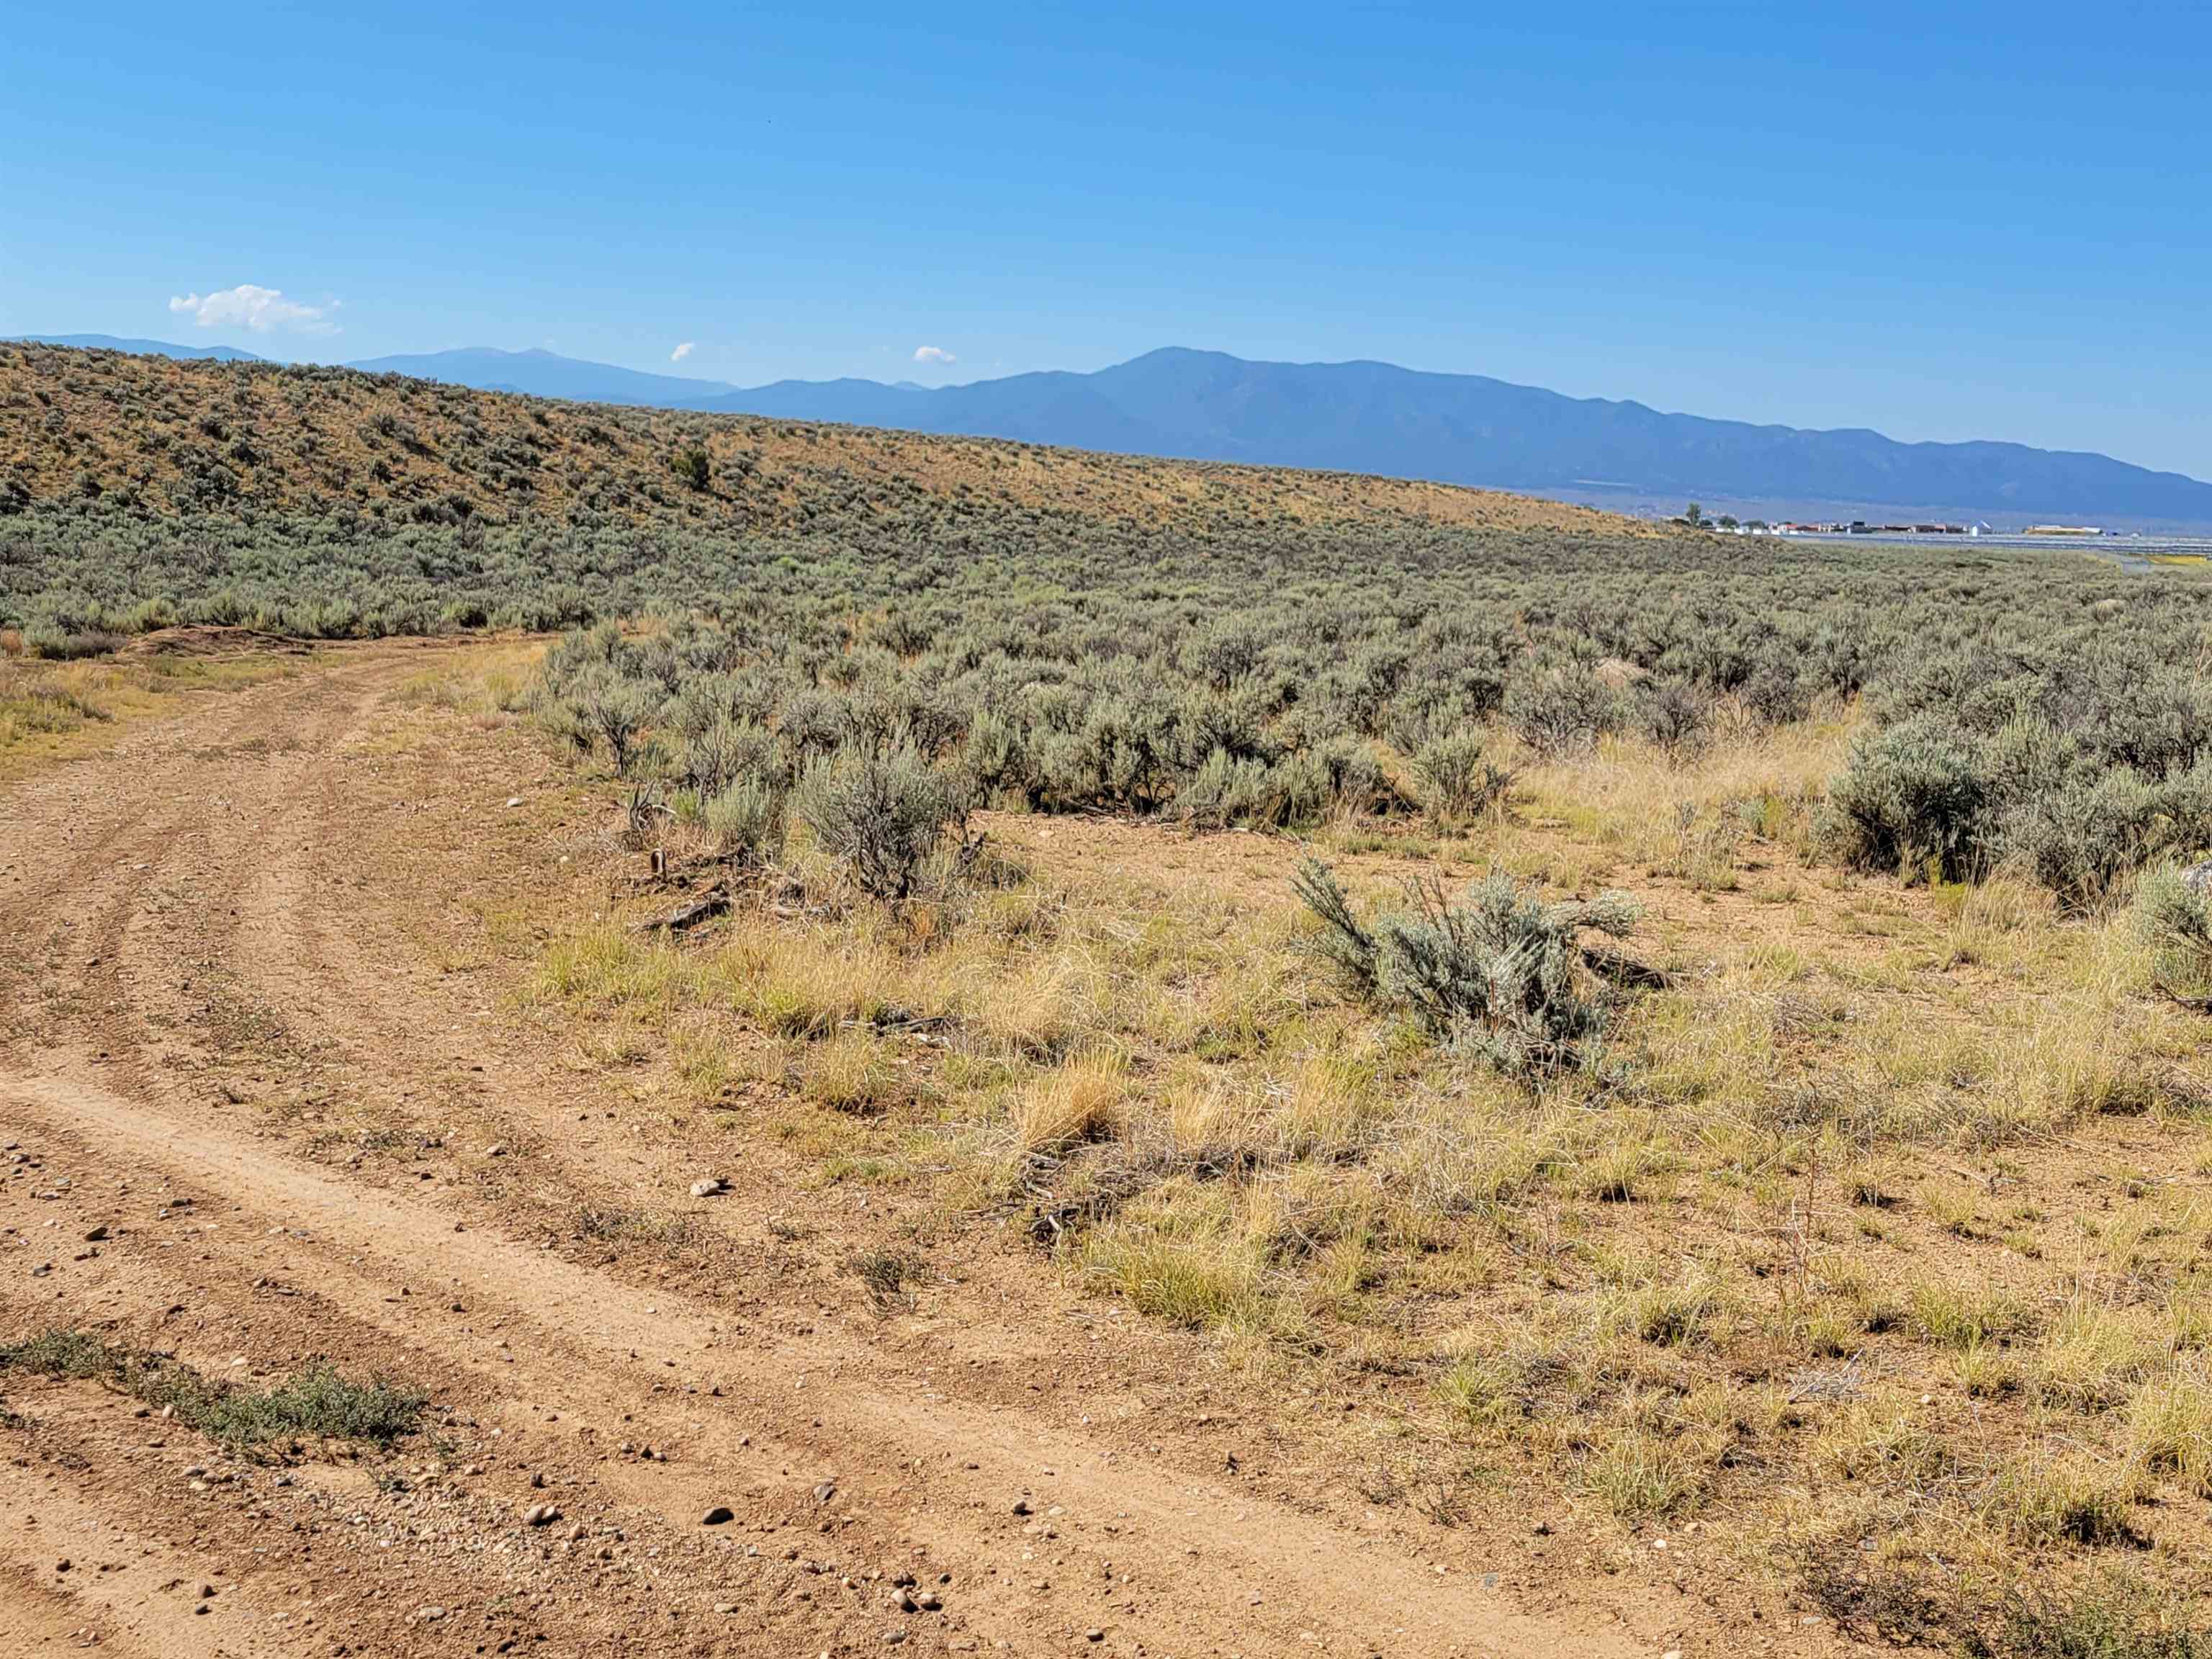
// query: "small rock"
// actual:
[[96, 1234], [707, 1187], [430, 1615], [826, 1491], [718, 1516], [498, 1149], [514, 800], [1022, 1506], [1094, 1634], [540, 1515]]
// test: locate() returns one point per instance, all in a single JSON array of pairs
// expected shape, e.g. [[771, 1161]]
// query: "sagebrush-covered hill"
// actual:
[[154, 435]]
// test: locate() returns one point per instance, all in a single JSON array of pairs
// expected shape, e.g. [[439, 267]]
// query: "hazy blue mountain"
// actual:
[[543, 375], [142, 347], [1468, 428]]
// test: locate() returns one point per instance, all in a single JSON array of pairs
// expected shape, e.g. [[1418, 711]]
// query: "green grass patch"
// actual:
[[317, 1403]]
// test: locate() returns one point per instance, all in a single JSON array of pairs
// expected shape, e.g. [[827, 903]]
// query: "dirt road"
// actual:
[[248, 1026]]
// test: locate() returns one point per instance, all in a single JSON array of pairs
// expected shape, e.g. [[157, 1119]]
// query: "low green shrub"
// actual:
[[2173, 919], [1458, 779], [1501, 975], [881, 816]]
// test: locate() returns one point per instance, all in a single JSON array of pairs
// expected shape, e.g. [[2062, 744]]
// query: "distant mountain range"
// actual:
[[543, 375], [1376, 417], [1468, 428], [144, 348]]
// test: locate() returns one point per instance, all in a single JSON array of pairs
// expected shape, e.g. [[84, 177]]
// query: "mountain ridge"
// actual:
[[1365, 416], [137, 348], [535, 373], [1369, 416]]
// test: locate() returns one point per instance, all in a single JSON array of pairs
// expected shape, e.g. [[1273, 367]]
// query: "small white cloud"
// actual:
[[933, 355], [255, 308], [682, 351]]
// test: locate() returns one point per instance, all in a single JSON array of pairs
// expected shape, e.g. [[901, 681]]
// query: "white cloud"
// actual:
[[259, 309], [682, 351], [933, 355]]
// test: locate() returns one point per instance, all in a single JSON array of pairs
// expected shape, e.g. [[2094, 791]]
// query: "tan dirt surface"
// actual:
[[250, 1024]]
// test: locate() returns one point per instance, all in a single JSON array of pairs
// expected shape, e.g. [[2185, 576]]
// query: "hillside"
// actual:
[[157, 436]]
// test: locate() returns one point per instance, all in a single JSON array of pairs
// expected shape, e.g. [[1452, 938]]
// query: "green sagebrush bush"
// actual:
[[1458, 779], [607, 709], [1913, 799], [1675, 714], [1340, 775], [1561, 707], [1928, 797], [1500, 976], [880, 816], [746, 818], [2172, 919]]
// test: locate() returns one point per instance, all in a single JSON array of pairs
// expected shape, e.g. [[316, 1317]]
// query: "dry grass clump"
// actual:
[[2170, 1426], [852, 1071], [1181, 1257], [1079, 1100], [1959, 1316], [50, 709]]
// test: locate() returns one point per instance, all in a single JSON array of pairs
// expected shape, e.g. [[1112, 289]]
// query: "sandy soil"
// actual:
[[251, 1025]]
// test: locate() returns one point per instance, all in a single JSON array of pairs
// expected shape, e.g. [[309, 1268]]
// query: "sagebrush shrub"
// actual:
[[881, 816], [1501, 975], [747, 820], [2173, 919], [1229, 790], [1912, 800], [616, 712], [1561, 708], [1675, 714], [1458, 778], [1776, 693]]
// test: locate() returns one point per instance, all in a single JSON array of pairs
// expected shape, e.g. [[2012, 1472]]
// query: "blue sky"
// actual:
[[1988, 223]]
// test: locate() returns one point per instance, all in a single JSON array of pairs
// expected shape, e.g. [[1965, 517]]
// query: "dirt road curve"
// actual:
[[224, 939]]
